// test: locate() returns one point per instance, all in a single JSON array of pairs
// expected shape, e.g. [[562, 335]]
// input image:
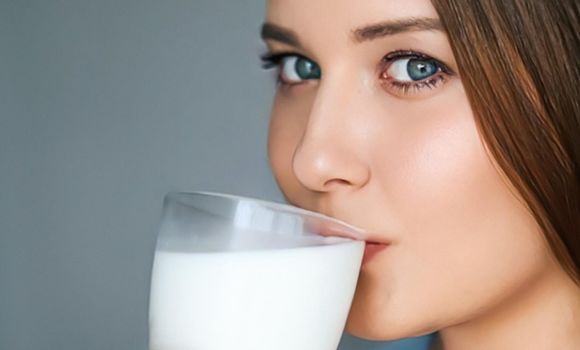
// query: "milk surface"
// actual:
[[266, 299]]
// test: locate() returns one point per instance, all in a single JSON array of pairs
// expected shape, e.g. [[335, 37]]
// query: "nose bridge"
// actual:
[[328, 152], [333, 109]]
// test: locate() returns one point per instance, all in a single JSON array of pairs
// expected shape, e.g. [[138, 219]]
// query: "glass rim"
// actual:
[[176, 195]]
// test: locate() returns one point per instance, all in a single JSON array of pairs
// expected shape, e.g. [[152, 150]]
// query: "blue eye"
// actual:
[[412, 69], [412, 74], [294, 69]]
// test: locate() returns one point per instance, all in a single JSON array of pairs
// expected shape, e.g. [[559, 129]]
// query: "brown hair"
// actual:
[[519, 63]]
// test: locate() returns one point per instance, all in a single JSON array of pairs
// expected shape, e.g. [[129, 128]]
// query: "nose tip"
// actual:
[[325, 166]]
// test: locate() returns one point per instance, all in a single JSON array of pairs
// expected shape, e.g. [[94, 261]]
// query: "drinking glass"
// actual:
[[235, 273]]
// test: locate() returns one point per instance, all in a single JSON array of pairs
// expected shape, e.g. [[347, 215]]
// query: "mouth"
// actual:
[[375, 243], [372, 249]]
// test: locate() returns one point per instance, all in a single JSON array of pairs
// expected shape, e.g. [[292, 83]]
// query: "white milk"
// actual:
[[282, 299]]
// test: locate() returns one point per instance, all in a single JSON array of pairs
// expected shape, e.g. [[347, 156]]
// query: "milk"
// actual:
[[264, 299]]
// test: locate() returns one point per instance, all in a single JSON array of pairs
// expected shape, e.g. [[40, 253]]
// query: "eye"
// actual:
[[408, 73], [409, 69], [292, 68], [295, 69]]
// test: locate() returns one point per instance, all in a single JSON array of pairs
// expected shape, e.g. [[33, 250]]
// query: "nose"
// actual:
[[331, 153]]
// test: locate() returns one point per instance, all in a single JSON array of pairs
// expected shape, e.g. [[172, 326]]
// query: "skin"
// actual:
[[465, 257]]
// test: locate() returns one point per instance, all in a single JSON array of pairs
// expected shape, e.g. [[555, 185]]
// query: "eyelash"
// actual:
[[439, 77], [273, 60]]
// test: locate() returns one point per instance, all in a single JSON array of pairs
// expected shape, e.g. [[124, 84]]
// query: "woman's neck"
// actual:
[[546, 315]]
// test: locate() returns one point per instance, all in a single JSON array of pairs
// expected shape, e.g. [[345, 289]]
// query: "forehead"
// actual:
[[326, 27], [342, 16]]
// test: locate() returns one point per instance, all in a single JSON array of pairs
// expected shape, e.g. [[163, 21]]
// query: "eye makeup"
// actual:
[[391, 68], [439, 72]]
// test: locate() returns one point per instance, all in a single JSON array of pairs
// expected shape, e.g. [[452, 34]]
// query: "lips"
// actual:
[[375, 242], [372, 249]]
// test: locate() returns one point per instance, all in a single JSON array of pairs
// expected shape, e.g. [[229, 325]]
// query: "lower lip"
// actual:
[[371, 250]]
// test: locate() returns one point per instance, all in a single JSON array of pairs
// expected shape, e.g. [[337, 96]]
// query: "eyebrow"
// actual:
[[272, 31], [387, 28]]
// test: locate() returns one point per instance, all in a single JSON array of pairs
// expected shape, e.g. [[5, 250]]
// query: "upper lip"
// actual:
[[369, 236], [376, 239], [373, 236]]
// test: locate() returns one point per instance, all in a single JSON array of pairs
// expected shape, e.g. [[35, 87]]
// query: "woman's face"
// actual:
[[371, 125]]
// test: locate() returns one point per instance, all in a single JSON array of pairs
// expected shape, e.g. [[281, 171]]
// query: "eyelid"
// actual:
[[273, 59], [277, 60], [399, 54], [413, 89]]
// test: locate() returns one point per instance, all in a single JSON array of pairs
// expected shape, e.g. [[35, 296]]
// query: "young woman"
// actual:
[[450, 132]]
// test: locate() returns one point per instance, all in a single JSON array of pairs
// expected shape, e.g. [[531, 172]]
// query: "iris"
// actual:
[[306, 69], [419, 69]]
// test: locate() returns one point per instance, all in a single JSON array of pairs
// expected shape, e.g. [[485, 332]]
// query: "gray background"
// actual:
[[104, 107]]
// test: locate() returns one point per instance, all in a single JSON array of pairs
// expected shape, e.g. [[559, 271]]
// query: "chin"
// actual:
[[365, 322], [384, 332], [373, 331]]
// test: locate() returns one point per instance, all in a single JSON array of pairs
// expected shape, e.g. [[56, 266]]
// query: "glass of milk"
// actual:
[[234, 273]]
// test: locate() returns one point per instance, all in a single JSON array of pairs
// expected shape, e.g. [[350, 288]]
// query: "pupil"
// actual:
[[307, 69], [420, 69]]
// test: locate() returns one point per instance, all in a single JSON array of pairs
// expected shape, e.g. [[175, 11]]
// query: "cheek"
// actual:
[[453, 204], [431, 168], [465, 241]]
